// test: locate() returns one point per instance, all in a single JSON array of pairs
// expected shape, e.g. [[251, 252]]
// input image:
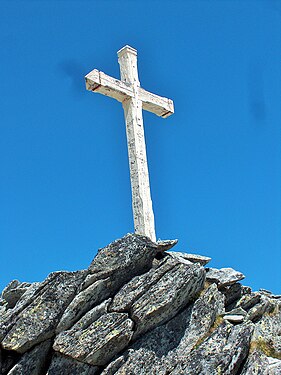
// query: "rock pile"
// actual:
[[140, 309]]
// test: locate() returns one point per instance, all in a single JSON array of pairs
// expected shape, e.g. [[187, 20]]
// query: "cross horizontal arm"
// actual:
[[100, 82]]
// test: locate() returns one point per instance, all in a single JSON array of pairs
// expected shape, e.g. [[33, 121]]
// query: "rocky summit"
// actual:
[[140, 309]]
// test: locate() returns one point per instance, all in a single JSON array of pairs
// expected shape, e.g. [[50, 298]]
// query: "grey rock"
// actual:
[[236, 311], [259, 364], [256, 364], [267, 333], [92, 315], [38, 320], [8, 360], [224, 276], [3, 306], [34, 361], [114, 366], [136, 287], [61, 365], [257, 311], [249, 300], [269, 294], [98, 343], [84, 301], [162, 301], [13, 291], [235, 316], [164, 245], [9, 316], [234, 293], [193, 258], [205, 311], [127, 257], [221, 353], [274, 366]]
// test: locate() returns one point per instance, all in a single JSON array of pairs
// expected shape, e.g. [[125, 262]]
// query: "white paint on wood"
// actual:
[[134, 99]]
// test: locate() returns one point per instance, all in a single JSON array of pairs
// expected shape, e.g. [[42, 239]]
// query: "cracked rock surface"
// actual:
[[140, 309]]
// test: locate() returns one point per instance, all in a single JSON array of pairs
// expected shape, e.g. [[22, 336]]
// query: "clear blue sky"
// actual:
[[214, 165]]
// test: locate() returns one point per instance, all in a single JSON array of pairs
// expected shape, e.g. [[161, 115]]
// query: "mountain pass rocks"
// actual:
[[140, 309]]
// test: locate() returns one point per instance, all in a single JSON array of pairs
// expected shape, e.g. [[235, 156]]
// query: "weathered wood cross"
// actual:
[[134, 99]]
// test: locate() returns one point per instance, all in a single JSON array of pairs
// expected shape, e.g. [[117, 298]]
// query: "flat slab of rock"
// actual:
[[234, 319], [224, 276], [99, 342], [193, 258], [163, 300], [127, 257]]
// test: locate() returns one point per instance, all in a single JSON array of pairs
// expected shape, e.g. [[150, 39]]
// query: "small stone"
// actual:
[[269, 294], [235, 319], [224, 276], [114, 366], [193, 258], [164, 245]]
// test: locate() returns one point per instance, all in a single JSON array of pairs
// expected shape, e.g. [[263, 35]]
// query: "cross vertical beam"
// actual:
[[134, 99], [141, 196]]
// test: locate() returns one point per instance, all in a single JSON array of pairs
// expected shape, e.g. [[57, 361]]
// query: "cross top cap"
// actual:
[[127, 49]]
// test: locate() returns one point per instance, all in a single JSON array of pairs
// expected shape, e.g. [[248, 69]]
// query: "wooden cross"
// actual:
[[134, 99]]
